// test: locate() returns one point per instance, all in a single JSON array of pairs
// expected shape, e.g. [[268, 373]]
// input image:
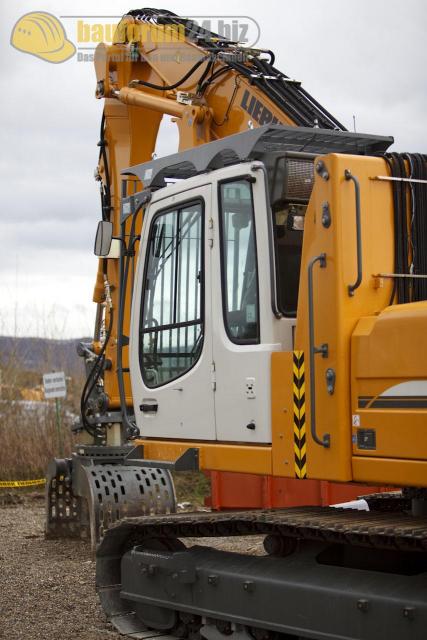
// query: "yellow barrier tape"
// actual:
[[9, 484]]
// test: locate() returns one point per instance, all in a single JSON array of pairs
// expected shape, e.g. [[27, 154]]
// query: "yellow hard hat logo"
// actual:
[[42, 35]]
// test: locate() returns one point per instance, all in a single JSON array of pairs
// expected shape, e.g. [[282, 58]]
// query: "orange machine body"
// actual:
[[372, 347]]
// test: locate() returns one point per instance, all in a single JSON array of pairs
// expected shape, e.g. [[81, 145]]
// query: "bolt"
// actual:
[[363, 605], [326, 215], [322, 170], [409, 613]]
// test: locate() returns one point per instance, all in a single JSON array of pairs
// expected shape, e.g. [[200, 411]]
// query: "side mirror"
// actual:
[[103, 238]]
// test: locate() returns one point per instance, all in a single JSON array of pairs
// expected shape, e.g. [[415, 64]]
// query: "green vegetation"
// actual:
[[28, 437], [192, 487]]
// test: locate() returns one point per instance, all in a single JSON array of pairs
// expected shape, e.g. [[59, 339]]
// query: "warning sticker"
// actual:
[[356, 420]]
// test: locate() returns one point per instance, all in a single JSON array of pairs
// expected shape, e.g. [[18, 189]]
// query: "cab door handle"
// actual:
[[149, 407]]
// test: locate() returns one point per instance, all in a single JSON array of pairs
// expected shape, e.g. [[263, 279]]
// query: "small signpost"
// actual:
[[55, 387]]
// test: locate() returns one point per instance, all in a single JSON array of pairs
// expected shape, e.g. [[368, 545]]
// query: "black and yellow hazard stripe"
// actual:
[[299, 415], [15, 484]]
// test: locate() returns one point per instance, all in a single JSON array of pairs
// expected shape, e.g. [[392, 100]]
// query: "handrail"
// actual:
[[352, 287], [325, 441]]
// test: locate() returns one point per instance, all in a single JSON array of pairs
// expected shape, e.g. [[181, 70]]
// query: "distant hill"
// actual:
[[40, 354]]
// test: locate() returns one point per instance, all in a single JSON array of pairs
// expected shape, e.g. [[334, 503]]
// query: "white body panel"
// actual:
[[243, 378], [185, 405]]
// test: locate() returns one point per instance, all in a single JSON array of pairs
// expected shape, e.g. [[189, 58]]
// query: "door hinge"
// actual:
[[213, 376], [210, 234]]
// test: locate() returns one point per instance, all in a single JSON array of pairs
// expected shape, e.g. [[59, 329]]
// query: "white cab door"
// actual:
[[243, 335], [171, 366]]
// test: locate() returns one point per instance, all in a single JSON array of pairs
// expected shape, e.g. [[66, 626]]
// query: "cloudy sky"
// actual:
[[367, 58]]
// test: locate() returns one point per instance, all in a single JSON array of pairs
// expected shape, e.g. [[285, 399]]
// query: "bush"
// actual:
[[29, 439]]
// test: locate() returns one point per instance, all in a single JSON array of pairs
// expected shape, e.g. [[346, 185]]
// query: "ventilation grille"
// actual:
[[300, 179]]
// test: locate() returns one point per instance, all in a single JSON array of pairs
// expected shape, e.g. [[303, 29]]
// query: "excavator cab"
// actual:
[[216, 285]]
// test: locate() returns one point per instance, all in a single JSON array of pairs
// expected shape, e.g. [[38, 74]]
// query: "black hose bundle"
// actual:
[[418, 165], [289, 96], [105, 185], [410, 225], [98, 366], [93, 378]]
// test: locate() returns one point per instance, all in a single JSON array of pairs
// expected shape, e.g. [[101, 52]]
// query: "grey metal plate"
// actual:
[[253, 144]]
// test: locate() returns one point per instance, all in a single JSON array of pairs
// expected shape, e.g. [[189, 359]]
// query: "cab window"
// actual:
[[239, 262], [172, 311]]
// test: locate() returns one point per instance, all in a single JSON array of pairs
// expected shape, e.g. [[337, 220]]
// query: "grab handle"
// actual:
[[352, 287], [325, 441]]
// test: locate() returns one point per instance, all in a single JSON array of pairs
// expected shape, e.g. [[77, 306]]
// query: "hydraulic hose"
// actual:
[[93, 377], [176, 84]]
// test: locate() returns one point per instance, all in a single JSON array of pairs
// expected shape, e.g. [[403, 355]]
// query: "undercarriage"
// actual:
[[323, 573]]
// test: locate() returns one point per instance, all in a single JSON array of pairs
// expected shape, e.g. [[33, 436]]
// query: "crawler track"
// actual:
[[366, 561], [382, 530]]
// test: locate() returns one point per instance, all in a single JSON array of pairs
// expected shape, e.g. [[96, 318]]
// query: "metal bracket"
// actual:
[[322, 170], [330, 376], [396, 179], [187, 461], [89, 454], [326, 215], [130, 205], [390, 276], [106, 418], [263, 76]]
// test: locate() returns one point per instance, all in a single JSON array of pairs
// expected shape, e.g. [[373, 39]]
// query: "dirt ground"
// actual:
[[47, 587]]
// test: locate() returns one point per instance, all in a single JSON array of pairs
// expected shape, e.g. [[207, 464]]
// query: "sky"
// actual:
[[366, 58]]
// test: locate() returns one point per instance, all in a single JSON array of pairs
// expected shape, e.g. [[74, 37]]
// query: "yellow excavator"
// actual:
[[261, 300]]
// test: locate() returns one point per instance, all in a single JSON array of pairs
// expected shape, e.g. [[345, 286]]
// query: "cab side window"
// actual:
[[172, 311], [239, 262]]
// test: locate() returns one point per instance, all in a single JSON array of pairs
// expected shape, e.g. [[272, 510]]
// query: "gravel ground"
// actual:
[[47, 587]]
